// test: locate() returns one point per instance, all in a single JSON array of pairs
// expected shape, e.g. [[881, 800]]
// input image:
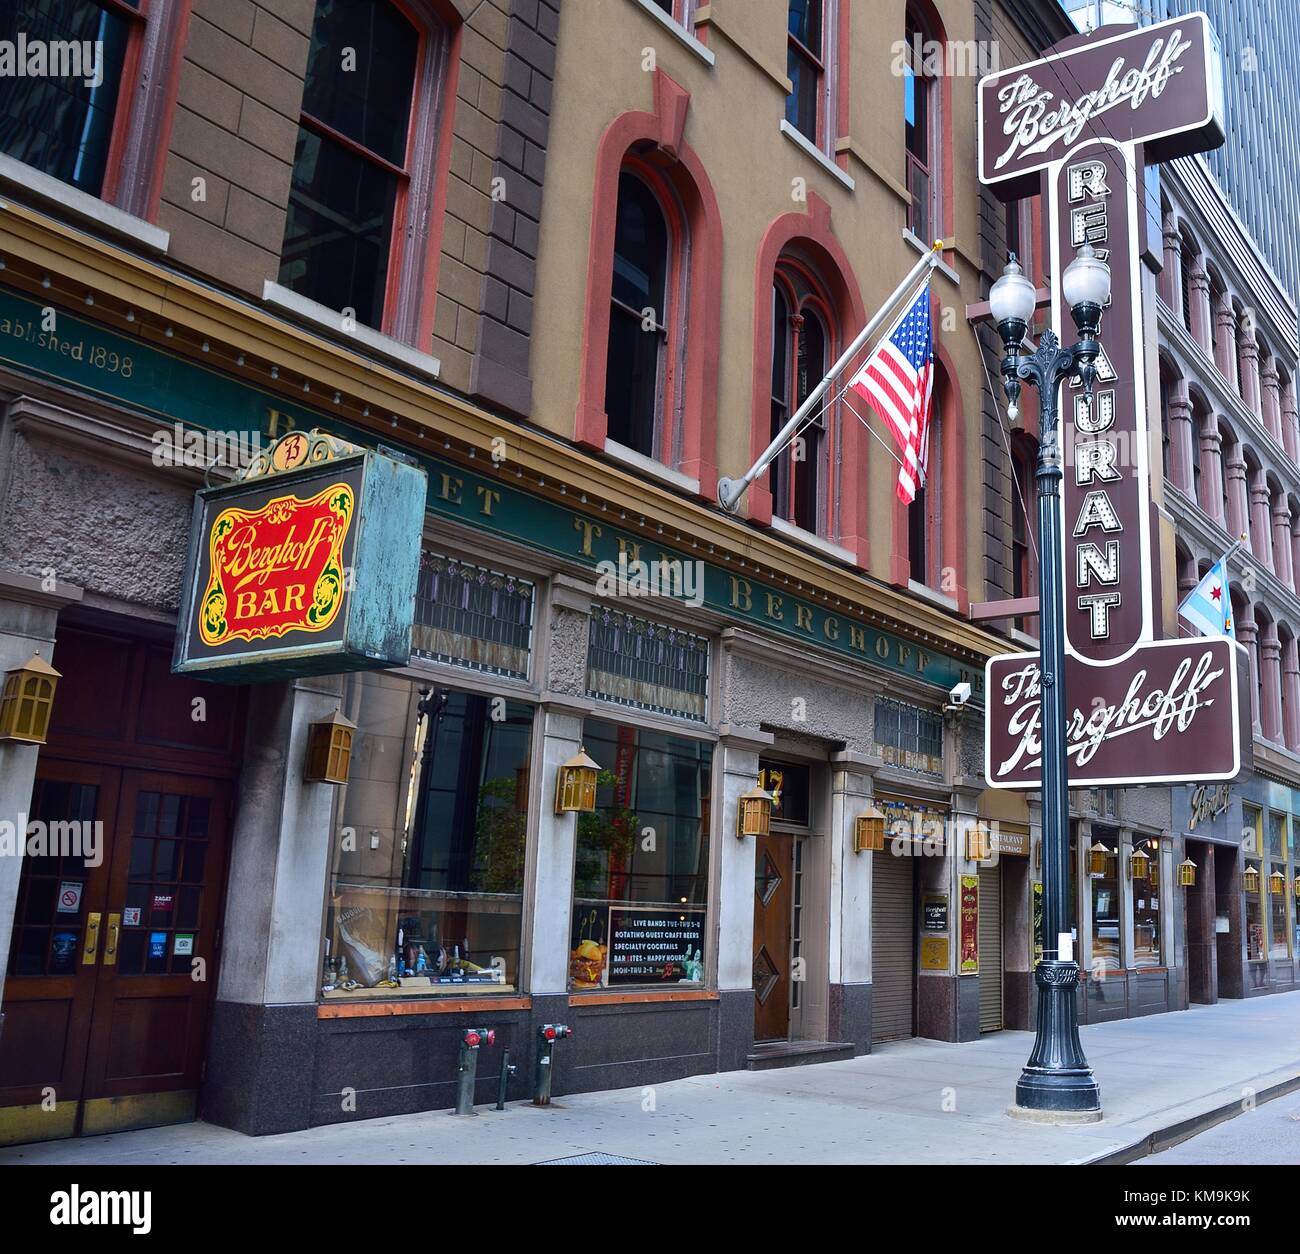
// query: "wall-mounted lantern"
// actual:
[[1139, 864], [329, 750], [1297, 883], [575, 786], [869, 831], [754, 813], [1187, 873], [27, 701], [1250, 879], [1097, 857], [979, 844], [1277, 883]]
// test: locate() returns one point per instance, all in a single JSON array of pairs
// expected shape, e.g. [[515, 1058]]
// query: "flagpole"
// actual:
[[731, 490]]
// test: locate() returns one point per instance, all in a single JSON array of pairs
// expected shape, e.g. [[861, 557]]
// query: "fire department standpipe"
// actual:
[[470, 1041], [547, 1035]]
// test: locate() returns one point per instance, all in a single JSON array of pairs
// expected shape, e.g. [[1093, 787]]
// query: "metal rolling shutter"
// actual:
[[990, 939], [892, 942]]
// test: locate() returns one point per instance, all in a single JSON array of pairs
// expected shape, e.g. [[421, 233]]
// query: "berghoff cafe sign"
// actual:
[[1081, 125], [306, 565]]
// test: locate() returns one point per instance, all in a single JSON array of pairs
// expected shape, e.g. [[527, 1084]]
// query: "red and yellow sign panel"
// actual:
[[276, 569]]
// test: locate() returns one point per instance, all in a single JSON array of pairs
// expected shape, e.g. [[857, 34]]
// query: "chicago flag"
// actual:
[[1208, 606]]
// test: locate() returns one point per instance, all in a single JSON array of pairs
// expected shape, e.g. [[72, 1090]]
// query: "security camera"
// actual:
[[959, 694]]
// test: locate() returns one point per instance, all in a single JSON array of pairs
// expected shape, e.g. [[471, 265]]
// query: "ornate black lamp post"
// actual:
[[1056, 1082]]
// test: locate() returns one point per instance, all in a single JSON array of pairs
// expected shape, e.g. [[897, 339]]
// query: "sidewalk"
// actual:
[[1156, 1074]]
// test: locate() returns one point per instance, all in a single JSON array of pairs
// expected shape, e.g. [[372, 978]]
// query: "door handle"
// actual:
[[91, 947], [110, 948]]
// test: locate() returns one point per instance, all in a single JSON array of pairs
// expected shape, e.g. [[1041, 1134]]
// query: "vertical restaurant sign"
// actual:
[[970, 919], [1081, 124], [305, 566]]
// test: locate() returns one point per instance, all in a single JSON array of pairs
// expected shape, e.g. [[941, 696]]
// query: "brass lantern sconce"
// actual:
[[27, 702], [1297, 884], [1098, 855], [329, 750], [1139, 864], [1250, 879], [575, 786], [869, 831], [1187, 873], [1277, 883], [979, 844], [754, 813]]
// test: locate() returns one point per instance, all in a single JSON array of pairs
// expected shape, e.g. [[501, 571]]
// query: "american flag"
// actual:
[[896, 381]]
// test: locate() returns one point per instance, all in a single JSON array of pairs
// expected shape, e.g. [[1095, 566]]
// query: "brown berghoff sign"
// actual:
[[1161, 719], [1081, 124]]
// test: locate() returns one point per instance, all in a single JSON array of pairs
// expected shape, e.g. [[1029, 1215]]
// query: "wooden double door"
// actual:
[[113, 959], [774, 908]]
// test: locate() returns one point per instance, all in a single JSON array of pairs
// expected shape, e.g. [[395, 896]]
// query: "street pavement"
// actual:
[[915, 1101], [1267, 1134]]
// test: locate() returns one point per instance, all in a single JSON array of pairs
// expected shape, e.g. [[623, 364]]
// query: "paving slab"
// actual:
[[1162, 1078]]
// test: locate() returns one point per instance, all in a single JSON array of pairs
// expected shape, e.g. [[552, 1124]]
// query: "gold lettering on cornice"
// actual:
[[588, 530]]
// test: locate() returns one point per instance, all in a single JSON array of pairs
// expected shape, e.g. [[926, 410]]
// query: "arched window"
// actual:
[[358, 174], [920, 129], [636, 377], [1024, 505], [1186, 259], [801, 355], [1165, 384]]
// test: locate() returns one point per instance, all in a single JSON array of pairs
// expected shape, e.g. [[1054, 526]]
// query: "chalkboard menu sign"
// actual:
[[649, 945]]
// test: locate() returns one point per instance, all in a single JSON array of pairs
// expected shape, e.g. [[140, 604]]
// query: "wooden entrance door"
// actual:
[[107, 996], [773, 902]]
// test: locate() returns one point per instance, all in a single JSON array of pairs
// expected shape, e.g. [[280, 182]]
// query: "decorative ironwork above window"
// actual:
[[643, 664], [467, 615], [908, 736]]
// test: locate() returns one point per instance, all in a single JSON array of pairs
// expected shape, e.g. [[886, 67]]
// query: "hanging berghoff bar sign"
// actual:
[[1080, 126], [306, 565]]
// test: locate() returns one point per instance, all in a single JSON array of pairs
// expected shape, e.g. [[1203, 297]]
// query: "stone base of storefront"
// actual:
[[283, 1068], [849, 1017], [948, 1008]]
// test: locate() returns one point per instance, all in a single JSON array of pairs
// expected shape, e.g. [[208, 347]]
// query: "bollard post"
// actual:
[[547, 1035], [470, 1040], [506, 1072]]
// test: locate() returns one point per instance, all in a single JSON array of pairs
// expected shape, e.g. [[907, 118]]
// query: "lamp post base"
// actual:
[[1029, 1115], [1057, 1081]]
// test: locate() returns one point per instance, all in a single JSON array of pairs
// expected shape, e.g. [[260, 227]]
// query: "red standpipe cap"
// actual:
[[549, 1033], [491, 1036], [471, 1038]]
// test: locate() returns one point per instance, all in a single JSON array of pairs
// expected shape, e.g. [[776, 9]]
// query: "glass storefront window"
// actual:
[[426, 890], [1103, 861], [1146, 910], [641, 869], [1252, 841]]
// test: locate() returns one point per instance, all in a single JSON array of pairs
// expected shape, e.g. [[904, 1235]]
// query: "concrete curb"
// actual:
[[1175, 1133]]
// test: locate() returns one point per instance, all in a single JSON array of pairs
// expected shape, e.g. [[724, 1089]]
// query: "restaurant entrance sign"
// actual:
[[305, 566], [1081, 125]]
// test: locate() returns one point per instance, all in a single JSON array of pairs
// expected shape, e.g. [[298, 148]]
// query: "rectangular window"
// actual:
[[426, 884], [60, 120], [1279, 889], [641, 869], [1146, 909], [467, 615], [909, 736], [805, 67], [639, 663], [1253, 883], [1103, 862], [350, 167]]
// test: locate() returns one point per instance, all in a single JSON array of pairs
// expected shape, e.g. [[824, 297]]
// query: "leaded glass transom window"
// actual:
[[639, 663]]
